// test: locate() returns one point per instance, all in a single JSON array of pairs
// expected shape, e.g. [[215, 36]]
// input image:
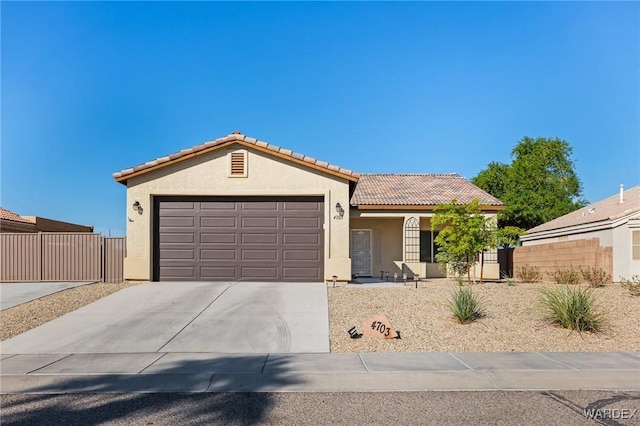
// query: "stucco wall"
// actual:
[[207, 174], [623, 264]]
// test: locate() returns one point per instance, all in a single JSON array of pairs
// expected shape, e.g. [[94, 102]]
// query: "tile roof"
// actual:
[[417, 189], [9, 215], [606, 210], [122, 175]]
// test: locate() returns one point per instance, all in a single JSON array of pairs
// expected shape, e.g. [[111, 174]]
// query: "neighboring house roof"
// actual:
[[9, 215], [241, 139], [418, 190], [607, 210]]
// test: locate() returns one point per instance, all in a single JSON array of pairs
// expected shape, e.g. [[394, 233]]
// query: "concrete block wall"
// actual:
[[587, 253]]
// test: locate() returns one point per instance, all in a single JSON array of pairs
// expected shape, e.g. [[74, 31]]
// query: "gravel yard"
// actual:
[[513, 320]]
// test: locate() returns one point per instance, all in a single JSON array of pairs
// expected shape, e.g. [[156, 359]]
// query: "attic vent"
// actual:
[[238, 164]]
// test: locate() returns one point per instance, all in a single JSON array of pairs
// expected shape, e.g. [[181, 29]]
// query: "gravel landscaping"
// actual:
[[513, 320]]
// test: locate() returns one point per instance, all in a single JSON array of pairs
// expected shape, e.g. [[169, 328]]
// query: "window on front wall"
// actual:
[[412, 240], [635, 245], [428, 246]]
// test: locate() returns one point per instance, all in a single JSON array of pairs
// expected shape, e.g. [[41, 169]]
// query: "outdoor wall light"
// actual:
[[137, 207], [339, 209]]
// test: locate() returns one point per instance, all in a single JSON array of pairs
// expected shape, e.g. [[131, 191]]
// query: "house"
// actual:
[[12, 222], [604, 235], [237, 208]]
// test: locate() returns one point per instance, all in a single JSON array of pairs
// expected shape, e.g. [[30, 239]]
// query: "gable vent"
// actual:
[[238, 164]]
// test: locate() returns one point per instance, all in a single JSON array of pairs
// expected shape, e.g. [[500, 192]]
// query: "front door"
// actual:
[[361, 252]]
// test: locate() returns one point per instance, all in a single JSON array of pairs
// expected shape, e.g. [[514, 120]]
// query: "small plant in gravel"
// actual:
[[596, 277], [565, 275], [508, 280], [633, 285], [529, 274], [573, 308], [465, 305]]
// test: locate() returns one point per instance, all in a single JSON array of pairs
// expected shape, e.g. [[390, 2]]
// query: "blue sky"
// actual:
[[91, 88]]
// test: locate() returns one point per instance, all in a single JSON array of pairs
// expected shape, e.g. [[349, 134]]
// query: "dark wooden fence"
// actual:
[[61, 256]]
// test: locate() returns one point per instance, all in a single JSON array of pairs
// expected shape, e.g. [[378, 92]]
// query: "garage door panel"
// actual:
[[259, 254], [217, 222], [177, 254], [301, 254], [214, 273], [300, 238], [229, 254], [302, 206], [260, 205], [179, 272], [178, 205], [301, 273], [242, 238], [263, 238], [260, 273], [177, 222], [301, 222], [260, 222], [170, 237], [221, 238], [219, 205]]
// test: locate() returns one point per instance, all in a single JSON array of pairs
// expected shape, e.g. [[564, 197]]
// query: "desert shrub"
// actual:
[[508, 280], [465, 305], [565, 275], [573, 308], [633, 285], [528, 274], [595, 276]]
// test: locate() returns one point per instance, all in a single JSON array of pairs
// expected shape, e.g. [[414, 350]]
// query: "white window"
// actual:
[[238, 163], [635, 245]]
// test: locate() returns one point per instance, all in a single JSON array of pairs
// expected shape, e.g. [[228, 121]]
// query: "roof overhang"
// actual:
[[122, 177], [577, 229], [400, 207]]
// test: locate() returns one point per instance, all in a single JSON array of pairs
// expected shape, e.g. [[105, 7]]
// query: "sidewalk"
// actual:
[[365, 372]]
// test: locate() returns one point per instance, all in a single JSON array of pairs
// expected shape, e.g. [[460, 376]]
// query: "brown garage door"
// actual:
[[249, 238]]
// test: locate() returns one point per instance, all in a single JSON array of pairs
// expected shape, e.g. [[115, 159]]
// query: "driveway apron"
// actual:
[[240, 317]]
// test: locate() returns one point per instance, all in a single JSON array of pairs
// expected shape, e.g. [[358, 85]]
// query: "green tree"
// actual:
[[464, 232], [539, 185]]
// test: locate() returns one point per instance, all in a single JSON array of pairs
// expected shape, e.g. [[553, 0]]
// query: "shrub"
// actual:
[[508, 280], [573, 308], [633, 285], [565, 275], [595, 276], [465, 305], [529, 274]]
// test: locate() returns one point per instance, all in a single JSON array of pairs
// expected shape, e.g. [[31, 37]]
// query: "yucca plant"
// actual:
[[573, 308], [465, 305]]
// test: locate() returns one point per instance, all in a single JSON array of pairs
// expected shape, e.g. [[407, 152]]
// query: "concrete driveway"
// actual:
[[190, 317], [14, 294]]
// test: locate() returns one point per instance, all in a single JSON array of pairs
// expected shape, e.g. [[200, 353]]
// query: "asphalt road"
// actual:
[[380, 408]]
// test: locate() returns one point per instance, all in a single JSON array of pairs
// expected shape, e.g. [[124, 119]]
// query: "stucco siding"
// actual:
[[208, 174]]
